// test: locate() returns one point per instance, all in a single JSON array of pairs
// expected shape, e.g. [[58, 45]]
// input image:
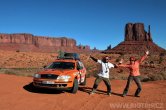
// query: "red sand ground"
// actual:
[[16, 94]]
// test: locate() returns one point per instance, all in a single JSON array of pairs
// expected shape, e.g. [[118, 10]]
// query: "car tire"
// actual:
[[84, 83], [75, 86]]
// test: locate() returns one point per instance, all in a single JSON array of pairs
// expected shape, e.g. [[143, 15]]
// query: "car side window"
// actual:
[[80, 65]]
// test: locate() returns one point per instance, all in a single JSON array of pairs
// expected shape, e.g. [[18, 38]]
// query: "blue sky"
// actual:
[[97, 23]]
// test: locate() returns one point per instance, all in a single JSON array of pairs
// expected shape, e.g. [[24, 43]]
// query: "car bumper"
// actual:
[[51, 84]]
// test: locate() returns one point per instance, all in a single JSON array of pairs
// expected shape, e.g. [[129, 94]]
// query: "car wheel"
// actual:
[[84, 83], [75, 86]]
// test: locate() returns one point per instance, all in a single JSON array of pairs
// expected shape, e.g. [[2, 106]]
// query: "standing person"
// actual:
[[134, 74], [103, 75]]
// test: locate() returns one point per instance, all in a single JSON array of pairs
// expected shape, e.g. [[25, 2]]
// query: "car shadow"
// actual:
[[30, 88], [89, 89]]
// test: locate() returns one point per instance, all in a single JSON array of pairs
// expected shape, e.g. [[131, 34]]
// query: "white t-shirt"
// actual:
[[105, 68]]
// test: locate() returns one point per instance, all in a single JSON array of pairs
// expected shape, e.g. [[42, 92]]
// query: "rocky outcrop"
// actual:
[[136, 41], [136, 32], [29, 42]]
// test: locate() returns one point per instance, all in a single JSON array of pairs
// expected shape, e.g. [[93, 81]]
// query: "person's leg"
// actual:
[[138, 82], [107, 83], [96, 83], [130, 78]]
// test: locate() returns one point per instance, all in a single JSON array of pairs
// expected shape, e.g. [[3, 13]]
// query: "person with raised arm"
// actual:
[[134, 73], [103, 75]]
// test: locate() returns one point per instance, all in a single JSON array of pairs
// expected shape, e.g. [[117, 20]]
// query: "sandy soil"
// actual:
[[17, 94]]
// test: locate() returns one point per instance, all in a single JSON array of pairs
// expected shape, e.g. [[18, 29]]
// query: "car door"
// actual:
[[82, 70]]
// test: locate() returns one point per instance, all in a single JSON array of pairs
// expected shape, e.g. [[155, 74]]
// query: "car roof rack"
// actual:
[[72, 56]]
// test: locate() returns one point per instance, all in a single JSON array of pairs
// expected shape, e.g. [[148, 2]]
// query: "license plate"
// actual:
[[48, 82]]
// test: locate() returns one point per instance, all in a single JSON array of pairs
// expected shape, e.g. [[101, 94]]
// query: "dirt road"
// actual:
[[17, 94]]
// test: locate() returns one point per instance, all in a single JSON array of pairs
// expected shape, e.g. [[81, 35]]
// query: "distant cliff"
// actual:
[[29, 42], [136, 40]]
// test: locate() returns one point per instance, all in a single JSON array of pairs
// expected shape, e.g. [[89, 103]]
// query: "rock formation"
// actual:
[[28, 42], [136, 32], [136, 40]]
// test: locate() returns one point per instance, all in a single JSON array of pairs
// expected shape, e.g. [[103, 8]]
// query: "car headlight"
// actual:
[[37, 75], [64, 77]]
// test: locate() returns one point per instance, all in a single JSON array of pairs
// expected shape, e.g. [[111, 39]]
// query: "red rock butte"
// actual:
[[28, 42], [136, 40]]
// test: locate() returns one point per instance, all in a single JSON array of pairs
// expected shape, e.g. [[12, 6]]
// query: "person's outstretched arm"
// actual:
[[143, 57], [94, 59], [122, 65]]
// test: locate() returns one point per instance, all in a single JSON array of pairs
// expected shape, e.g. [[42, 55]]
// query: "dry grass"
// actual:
[[20, 71]]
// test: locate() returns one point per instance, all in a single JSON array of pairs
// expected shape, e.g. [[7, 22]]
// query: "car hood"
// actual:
[[57, 72]]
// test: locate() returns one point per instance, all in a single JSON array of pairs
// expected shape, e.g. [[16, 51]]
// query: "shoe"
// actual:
[[123, 95], [109, 94], [137, 96], [91, 93]]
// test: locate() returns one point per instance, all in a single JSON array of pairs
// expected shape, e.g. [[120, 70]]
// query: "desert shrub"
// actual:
[[10, 72], [121, 54], [163, 75], [94, 73], [122, 77], [152, 65], [155, 77], [161, 59], [20, 71], [117, 60], [112, 77], [17, 50], [120, 71], [144, 78], [88, 75], [118, 74], [162, 54]]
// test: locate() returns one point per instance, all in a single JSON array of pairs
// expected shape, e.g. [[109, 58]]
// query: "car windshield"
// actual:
[[61, 65]]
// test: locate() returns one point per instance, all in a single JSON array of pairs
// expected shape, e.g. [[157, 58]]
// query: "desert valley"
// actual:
[[22, 55]]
